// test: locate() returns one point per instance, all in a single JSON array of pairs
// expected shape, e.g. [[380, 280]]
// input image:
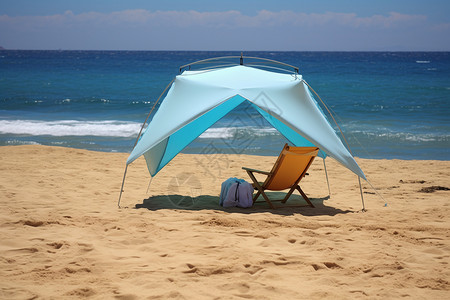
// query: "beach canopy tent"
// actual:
[[198, 98]]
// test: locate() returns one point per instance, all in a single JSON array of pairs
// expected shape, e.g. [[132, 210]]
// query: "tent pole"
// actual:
[[362, 198], [123, 182], [139, 135], [151, 110], [326, 174]]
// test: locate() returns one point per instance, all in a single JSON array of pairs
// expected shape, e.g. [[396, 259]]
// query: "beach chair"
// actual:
[[288, 170]]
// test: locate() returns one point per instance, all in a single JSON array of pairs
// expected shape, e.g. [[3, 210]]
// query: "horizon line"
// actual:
[[244, 51]]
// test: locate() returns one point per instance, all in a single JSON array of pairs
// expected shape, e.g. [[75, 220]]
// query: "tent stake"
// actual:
[[326, 174], [362, 198], [123, 182]]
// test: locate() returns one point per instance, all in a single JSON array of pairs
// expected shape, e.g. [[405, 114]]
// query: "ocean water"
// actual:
[[388, 104]]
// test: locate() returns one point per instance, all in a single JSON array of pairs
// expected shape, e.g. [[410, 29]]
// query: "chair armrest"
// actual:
[[256, 171]]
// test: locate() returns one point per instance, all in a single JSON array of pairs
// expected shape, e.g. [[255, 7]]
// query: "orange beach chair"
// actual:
[[288, 170]]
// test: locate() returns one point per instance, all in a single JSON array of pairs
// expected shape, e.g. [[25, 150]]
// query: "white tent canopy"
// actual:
[[197, 99]]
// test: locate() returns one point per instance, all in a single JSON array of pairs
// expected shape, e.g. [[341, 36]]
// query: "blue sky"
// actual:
[[321, 25]]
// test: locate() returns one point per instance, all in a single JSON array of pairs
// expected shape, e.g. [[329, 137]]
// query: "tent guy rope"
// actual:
[[137, 139], [349, 149], [331, 115]]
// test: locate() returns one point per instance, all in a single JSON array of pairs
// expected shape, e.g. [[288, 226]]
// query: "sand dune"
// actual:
[[64, 237]]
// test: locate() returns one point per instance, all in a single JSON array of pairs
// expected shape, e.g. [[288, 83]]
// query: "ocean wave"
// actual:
[[15, 142], [70, 128], [232, 132], [380, 134], [396, 137]]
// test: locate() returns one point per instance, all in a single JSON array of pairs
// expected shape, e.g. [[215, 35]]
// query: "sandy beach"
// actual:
[[64, 237]]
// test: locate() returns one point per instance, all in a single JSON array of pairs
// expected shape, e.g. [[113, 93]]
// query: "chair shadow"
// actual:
[[295, 205]]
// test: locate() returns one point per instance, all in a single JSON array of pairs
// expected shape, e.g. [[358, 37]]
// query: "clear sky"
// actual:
[[302, 25]]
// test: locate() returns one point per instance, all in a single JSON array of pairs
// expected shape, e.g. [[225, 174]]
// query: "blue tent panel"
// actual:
[[183, 137], [292, 136]]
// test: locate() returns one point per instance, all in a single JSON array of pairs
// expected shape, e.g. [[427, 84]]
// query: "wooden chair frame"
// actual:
[[272, 174]]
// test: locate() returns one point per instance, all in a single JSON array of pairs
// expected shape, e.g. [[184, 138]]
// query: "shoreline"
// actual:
[[64, 235], [198, 153]]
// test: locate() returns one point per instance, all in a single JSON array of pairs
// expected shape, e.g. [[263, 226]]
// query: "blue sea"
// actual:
[[388, 104]]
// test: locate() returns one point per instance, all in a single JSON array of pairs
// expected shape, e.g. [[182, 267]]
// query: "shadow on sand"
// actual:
[[295, 205]]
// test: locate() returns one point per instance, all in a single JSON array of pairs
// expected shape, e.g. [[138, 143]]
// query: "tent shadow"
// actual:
[[295, 205]]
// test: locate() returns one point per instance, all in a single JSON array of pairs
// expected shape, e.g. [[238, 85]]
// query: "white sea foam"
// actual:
[[18, 142], [404, 136], [70, 128], [230, 132], [422, 61], [218, 133]]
